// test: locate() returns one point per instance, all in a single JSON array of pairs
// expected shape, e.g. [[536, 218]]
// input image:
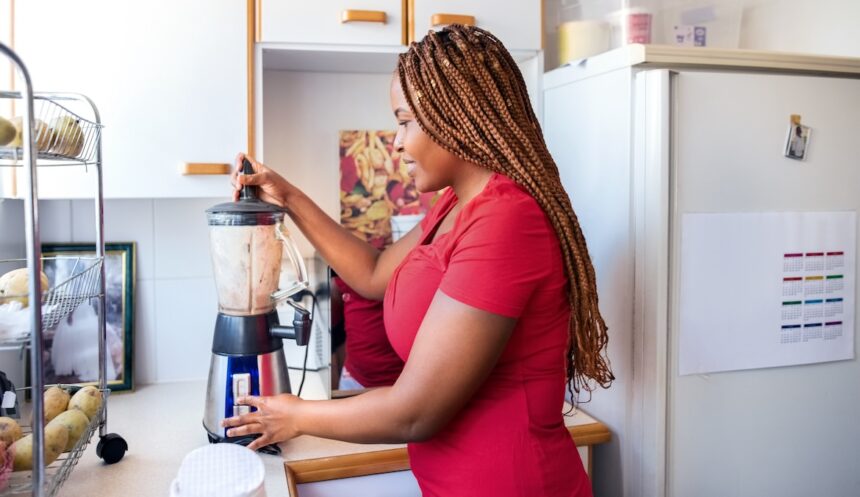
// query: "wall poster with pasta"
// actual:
[[376, 192]]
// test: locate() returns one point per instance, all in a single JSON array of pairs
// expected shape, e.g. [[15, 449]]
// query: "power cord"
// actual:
[[308, 346]]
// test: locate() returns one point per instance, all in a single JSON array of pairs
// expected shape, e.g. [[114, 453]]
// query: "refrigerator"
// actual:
[[647, 139]]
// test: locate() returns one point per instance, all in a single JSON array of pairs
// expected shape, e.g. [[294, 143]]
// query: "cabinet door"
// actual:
[[292, 21], [169, 78], [517, 24]]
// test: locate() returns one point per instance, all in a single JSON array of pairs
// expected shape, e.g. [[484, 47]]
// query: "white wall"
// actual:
[[302, 114], [830, 27]]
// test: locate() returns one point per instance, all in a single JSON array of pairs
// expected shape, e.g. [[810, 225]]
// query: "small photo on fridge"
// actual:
[[797, 142]]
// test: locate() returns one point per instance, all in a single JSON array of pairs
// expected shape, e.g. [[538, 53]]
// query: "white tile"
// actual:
[[145, 349], [126, 220], [185, 319], [12, 235], [182, 238], [55, 221]]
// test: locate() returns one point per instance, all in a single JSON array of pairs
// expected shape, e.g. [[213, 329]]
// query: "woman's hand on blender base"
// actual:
[[272, 188], [272, 420]]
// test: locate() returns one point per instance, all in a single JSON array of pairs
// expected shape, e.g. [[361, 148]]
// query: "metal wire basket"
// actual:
[[60, 134], [56, 473], [82, 284]]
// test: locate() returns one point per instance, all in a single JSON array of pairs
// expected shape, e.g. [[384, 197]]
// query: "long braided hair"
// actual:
[[469, 96]]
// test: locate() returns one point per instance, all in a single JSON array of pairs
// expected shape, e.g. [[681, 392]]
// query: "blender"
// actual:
[[248, 245]]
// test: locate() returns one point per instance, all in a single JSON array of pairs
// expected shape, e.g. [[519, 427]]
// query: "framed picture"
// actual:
[[71, 347]]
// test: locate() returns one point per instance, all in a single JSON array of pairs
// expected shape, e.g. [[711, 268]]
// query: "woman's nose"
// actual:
[[398, 142]]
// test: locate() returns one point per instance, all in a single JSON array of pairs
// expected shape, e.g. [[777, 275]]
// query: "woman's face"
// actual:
[[431, 166]]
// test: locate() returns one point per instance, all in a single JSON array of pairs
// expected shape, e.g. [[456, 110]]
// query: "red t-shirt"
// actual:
[[502, 256], [369, 356]]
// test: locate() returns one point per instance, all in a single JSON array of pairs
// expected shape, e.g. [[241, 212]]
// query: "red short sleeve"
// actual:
[[503, 249]]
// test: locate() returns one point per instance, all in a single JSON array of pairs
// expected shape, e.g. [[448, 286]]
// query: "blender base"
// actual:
[[271, 449]]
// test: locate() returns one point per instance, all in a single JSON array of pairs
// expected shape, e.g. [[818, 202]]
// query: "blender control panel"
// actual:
[[241, 388]]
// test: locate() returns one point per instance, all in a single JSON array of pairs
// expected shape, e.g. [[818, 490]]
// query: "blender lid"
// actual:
[[248, 211], [245, 212]]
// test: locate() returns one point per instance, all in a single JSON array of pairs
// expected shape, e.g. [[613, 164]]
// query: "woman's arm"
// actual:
[[455, 350], [361, 266]]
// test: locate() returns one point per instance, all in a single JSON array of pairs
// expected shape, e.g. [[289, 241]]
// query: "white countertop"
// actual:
[[162, 423]]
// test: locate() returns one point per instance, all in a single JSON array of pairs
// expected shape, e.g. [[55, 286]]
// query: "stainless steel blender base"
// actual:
[[232, 376]]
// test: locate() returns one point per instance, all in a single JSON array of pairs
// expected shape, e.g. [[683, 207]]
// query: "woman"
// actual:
[[368, 361], [490, 301]]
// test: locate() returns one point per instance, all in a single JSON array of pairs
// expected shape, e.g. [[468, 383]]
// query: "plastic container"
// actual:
[[581, 39], [714, 23], [578, 26], [220, 470]]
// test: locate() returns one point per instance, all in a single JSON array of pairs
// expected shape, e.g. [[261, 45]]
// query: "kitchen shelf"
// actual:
[[61, 136], [81, 285], [21, 482]]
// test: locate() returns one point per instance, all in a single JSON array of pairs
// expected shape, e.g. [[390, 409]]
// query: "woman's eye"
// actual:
[[402, 123]]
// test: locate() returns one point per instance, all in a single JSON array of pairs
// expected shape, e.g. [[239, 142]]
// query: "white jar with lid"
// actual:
[[220, 470]]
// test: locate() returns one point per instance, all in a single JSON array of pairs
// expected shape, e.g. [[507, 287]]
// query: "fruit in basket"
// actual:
[[5, 466], [56, 437], [43, 138], [56, 401], [87, 400], [10, 431], [14, 286], [69, 136], [76, 422], [7, 131]]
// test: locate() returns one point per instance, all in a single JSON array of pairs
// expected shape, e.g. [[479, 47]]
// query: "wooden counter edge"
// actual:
[[387, 461]]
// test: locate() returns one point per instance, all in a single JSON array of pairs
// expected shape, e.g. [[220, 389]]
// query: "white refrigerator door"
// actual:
[[783, 431]]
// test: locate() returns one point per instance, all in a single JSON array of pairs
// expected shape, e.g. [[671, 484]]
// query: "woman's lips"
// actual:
[[410, 167]]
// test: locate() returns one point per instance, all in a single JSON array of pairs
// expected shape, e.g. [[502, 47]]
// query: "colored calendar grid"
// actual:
[[812, 331], [835, 260], [832, 330], [813, 261], [792, 310], [834, 283], [813, 285], [790, 333], [792, 286], [792, 263], [813, 310], [833, 308]]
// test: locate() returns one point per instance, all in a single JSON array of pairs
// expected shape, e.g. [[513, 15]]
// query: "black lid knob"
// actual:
[[248, 192]]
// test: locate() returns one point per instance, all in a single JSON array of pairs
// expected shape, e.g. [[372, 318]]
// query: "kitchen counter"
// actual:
[[163, 422]]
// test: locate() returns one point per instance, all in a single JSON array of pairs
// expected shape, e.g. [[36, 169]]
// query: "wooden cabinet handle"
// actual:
[[363, 16], [195, 168], [444, 19]]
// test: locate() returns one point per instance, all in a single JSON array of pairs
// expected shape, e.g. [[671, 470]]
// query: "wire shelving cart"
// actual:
[[50, 134]]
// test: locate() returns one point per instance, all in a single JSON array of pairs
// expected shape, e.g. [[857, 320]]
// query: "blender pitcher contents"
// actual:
[[247, 265]]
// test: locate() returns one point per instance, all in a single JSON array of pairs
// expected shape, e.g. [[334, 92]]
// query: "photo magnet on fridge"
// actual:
[[797, 141]]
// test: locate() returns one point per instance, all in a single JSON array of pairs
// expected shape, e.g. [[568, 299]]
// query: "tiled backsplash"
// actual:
[[175, 293]]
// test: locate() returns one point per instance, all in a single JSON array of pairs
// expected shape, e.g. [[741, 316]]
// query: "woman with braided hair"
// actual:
[[490, 301]]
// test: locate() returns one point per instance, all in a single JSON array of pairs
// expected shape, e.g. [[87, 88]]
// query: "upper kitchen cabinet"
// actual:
[[517, 24], [342, 22], [169, 78]]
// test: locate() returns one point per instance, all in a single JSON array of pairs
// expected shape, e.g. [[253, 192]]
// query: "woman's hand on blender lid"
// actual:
[[272, 187]]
